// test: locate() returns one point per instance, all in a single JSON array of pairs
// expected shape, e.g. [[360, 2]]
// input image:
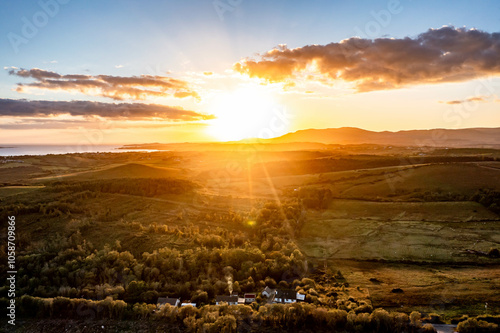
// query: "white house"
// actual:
[[188, 303], [268, 292], [168, 300]]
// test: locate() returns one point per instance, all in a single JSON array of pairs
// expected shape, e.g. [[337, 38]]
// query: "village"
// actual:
[[268, 295]]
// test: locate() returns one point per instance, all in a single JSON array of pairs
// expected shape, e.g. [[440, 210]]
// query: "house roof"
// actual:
[[289, 294], [250, 295], [269, 290], [227, 299], [167, 300]]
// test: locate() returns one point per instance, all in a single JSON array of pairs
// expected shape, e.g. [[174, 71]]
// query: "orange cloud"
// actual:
[[115, 87], [470, 99], [440, 55]]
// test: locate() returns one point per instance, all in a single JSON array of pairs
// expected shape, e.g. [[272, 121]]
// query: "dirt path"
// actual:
[[487, 167]]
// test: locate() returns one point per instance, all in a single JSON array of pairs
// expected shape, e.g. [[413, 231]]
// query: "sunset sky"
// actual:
[[110, 72]]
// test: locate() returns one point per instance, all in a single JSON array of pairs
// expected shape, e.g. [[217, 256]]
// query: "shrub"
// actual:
[[473, 325], [415, 319], [433, 318], [428, 328], [494, 253]]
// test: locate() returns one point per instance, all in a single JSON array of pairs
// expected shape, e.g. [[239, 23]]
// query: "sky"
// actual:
[[121, 72]]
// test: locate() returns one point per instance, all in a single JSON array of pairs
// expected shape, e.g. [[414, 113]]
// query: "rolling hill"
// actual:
[[470, 137]]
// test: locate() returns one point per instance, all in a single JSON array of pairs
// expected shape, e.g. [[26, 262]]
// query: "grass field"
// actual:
[[15, 190], [443, 178], [449, 290], [398, 240]]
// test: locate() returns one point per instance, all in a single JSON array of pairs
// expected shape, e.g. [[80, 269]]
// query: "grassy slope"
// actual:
[[463, 178]]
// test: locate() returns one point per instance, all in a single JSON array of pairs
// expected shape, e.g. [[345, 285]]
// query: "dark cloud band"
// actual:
[[131, 111]]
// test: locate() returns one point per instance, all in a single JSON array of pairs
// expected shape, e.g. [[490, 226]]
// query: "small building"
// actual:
[[301, 297], [188, 303], [249, 297], [231, 300], [268, 292], [168, 300], [285, 296]]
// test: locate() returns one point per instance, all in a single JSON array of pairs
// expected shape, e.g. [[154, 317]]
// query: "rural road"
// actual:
[[442, 328]]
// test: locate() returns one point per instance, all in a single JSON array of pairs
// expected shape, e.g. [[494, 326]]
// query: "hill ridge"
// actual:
[[469, 137]]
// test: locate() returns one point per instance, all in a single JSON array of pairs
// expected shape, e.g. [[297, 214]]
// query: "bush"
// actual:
[[428, 328], [494, 253], [473, 325], [415, 319], [433, 318]]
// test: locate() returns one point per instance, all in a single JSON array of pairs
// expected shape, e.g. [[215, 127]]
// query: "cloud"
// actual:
[[440, 55], [467, 100], [115, 87], [452, 102], [49, 123], [26, 124], [128, 111]]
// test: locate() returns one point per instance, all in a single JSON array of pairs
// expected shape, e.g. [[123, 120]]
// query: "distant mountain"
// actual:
[[470, 137]]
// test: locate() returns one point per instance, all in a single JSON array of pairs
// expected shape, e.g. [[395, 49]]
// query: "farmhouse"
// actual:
[[231, 300], [285, 296], [168, 300], [267, 292], [249, 298]]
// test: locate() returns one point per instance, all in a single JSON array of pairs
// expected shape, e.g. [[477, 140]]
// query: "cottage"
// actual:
[[285, 296], [249, 298], [168, 300], [268, 292], [231, 300]]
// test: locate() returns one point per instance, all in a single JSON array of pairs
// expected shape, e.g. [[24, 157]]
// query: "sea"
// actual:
[[20, 150]]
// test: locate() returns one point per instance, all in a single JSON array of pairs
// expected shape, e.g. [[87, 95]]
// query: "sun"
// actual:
[[245, 113]]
